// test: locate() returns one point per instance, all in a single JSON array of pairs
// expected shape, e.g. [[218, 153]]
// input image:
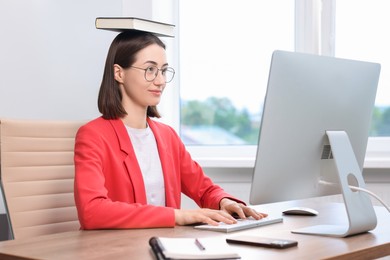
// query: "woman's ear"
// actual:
[[118, 73]]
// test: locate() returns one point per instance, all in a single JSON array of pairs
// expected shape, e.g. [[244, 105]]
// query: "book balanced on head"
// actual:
[[191, 248], [133, 23]]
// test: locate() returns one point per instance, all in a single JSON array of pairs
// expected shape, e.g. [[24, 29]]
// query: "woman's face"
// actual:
[[136, 90]]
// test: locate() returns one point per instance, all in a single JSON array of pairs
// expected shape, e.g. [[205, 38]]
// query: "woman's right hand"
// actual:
[[207, 216]]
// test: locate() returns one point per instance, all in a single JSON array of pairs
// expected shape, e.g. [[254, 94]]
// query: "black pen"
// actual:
[[199, 245]]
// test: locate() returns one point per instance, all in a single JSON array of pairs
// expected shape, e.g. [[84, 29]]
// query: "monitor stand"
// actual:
[[360, 212]]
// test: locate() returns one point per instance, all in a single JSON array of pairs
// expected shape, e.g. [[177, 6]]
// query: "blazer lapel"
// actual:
[[130, 161]]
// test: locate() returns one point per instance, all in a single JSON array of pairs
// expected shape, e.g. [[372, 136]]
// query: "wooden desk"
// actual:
[[133, 244]]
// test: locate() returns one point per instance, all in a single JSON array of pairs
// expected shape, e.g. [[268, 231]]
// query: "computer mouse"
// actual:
[[304, 211]]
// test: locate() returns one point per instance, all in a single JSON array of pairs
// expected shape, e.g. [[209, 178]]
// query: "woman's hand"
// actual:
[[207, 216], [212, 217], [232, 207]]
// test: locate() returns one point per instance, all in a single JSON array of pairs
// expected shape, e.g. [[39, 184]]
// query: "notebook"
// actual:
[[242, 224], [165, 248]]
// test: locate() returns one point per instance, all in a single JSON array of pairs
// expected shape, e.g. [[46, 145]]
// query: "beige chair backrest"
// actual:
[[37, 173]]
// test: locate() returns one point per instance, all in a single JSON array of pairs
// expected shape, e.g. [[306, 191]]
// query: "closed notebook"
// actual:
[[191, 248]]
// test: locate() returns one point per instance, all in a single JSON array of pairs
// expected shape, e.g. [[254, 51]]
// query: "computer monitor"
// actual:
[[314, 133]]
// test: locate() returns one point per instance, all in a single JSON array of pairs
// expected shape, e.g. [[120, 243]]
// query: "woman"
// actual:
[[130, 169]]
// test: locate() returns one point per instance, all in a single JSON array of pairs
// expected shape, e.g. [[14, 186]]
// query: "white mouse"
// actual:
[[301, 211]]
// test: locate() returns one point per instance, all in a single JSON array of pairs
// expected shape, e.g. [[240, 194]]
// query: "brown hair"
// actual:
[[123, 52]]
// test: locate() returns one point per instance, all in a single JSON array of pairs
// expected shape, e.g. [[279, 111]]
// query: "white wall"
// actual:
[[52, 56]]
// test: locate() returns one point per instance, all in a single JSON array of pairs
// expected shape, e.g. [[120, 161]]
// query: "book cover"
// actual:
[[192, 248], [133, 23]]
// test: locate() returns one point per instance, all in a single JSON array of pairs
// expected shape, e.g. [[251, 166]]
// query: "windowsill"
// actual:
[[249, 162], [377, 163], [377, 156], [224, 156], [220, 162]]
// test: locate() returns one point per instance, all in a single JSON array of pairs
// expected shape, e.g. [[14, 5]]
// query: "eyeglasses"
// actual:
[[151, 73]]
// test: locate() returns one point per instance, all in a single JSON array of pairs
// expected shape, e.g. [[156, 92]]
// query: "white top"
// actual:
[[145, 148]]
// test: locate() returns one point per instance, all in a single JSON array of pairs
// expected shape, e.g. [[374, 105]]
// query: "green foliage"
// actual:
[[380, 125], [385, 127], [375, 121], [222, 113], [196, 113]]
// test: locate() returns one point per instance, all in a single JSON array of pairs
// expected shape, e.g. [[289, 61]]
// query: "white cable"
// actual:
[[359, 189], [372, 194]]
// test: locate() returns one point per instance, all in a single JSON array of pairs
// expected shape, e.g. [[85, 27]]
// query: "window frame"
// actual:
[[316, 39]]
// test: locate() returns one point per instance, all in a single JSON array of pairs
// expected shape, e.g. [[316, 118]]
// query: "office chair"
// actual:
[[37, 171]]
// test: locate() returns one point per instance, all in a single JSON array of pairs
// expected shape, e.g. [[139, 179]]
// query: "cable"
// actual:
[[354, 188], [372, 194]]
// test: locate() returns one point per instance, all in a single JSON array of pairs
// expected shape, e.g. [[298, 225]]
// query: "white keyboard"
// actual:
[[241, 224]]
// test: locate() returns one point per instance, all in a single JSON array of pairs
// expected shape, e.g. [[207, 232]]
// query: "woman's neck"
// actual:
[[136, 114], [133, 121]]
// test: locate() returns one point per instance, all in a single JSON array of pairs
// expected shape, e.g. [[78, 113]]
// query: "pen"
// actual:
[[199, 245]]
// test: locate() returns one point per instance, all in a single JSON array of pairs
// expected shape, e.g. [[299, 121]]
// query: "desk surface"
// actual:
[[133, 244]]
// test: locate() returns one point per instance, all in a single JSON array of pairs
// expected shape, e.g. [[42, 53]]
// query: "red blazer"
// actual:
[[109, 189]]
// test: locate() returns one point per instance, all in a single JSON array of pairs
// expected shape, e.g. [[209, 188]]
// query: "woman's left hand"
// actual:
[[232, 207]]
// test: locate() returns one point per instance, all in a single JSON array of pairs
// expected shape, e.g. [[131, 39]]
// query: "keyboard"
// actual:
[[241, 224]]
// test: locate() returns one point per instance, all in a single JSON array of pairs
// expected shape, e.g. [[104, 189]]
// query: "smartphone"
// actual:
[[262, 241]]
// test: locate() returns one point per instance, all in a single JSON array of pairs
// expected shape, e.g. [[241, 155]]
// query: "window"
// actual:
[[225, 51], [225, 54], [361, 34]]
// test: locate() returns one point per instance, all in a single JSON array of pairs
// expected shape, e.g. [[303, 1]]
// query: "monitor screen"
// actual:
[[308, 95]]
